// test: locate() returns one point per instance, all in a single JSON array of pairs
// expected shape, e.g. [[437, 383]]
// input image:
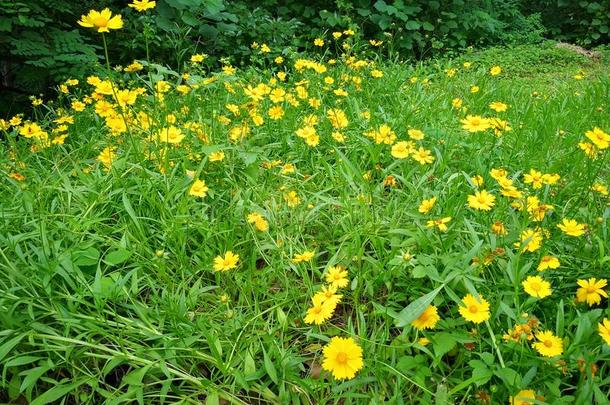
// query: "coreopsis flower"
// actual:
[[198, 188], [548, 262], [457, 103], [276, 112], [422, 156], [259, 222], [481, 200], [530, 240], [495, 70], [227, 262], [427, 319], [337, 118], [292, 199], [426, 205], [376, 73], [604, 330], [306, 256], [499, 229], [600, 188], [572, 228], [474, 310], [318, 42], [599, 138], [106, 156], [342, 357], [415, 134], [135, 66], [477, 180], [103, 20], [217, 156], [320, 311], [439, 223], [548, 344], [142, 5], [30, 130], [337, 276], [171, 135], [475, 123], [591, 291], [402, 149], [534, 177], [523, 397], [475, 89], [537, 287], [329, 293], [498, 106]]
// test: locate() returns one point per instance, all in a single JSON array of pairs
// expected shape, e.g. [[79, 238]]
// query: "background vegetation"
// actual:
[[41, 46]]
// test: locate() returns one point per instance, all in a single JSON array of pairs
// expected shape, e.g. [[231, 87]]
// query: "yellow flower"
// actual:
[[106, 156], [198, 188], [329, 293], [318, 42], [475, 123], [534, 177], [218, 156], [439, 223], [523, 397], [474, 310], [530, 240], [103, 20], [481, 200], [427, 319], [572, 228], [342, 357], [426, 205], [537, 287], [499, 229], [276, 112], [260, 223], [474, 89], [548, 344], [337, 118], [591, 291], [548, 262], [142, 5], [171, 135], [337, 276], [456, 103], [320, 311], [477, 180], [598, 137], [415, 134], [422, 156], [402, 149], [226, 262], [498, 106], [496, 70], [376, 73], [604, 330], [292, 199], [303, 257]]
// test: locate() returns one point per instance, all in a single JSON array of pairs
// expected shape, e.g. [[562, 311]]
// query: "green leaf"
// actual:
[[117, 256], [86, 257], [8, 346], [412, 311], [412, 25], [58, 391], [269, 367]]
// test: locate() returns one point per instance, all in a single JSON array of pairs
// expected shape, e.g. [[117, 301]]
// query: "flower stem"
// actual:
[[495, 344]]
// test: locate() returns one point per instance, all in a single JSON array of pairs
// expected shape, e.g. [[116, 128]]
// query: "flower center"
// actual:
[[100, 22], [591, 289], [341, 358], [473, 309], [548, 343]]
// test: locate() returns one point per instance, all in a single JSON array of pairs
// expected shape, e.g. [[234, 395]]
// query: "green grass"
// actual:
[[107, 291]]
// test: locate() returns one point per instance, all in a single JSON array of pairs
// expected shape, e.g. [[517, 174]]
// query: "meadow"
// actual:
[[332, 227]]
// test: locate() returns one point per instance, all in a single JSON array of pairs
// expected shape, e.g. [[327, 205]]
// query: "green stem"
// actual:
[[495, 344]]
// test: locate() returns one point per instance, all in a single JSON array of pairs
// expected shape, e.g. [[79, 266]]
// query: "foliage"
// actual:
[[108, 291], [581, 21]]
